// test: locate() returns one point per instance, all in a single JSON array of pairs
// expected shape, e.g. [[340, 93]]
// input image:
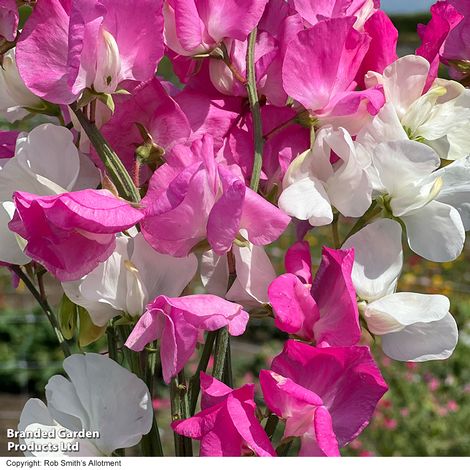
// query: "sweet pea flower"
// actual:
[[324, 312], [412, 327], [222, 77], [431, 204], [326, 395], [198, 26], [457, 46], [99, 396], [177, 323], [227, 425], [319, 72], [314, 182], [434, 35], [9, 19], [37, 166], [192, 198], [146, 126], [7, 145], [71, 233], [313, 11], [14, 96], [90, 45], [254, 269], [437, 117], [133, 275]]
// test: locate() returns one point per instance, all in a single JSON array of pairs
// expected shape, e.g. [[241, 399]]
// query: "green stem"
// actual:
[[117, 171], [151, 443], [255, 111], [42, 301], [180, 410], [220, 353], [335, 232], [373, 211], [195, 382]]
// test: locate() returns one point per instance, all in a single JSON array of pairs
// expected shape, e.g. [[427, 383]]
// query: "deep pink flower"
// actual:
[[457, 45], [177, 322], [154, 111], [71, 233], [9, 19], [67, 46], [326, 395], [434, 35], [227, 425], [7, 144], [198, 26], [320, 66], [192, 198], [383, 45], [325, 312]]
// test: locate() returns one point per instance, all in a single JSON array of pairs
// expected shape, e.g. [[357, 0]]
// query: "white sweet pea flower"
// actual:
[[108, 64], [313, 184], [14, 96], [129, 279], [438, 117], [413, 327], [403, 172], [255, 273], [100, 397], [46, 162]]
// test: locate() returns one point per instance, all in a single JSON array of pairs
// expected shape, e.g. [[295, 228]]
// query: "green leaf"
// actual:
[[107, 100]]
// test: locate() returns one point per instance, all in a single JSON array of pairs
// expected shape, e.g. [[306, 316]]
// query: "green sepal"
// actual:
[[88, 331], [68, 313]]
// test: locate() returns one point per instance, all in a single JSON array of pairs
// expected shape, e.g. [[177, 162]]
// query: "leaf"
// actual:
[[107, 100]]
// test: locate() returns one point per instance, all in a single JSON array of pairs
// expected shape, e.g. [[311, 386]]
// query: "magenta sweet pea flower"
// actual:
[[177, 322], [192, 198], [319, 69], [227, 425], [382, 48], [150, 110], [326, 395], [325, 312], [198, 26], [434, 35], [7, 144], [9, 19], [71, 233], [66, 47]]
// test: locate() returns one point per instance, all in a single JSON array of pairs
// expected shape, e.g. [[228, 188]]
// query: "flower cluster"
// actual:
[[153, 202]]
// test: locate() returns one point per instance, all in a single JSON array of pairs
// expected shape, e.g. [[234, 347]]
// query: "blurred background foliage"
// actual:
[[425, 413]]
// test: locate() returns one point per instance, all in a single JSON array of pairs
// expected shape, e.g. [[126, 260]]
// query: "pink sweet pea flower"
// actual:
[[9, 19], [66, 47], [71, 233], [319, 69], [326, 395], [314, 11], [457, 46], [7, 144], [324, 313], [382, 48], [154, 111], [198, 26], [434, 35], [192, 198], [227, 425], [177, 323]]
